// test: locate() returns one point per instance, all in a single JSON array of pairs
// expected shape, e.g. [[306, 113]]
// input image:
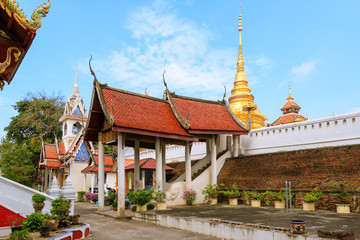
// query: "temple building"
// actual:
[[16, 36], [241, 100], [72, 154], [290, 112]]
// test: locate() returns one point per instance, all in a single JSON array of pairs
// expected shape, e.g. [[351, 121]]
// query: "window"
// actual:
[[76, 128]]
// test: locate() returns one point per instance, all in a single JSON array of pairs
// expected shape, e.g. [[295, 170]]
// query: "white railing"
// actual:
[[18, 198]]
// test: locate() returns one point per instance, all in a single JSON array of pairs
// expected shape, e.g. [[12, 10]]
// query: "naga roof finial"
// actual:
[[91, 71], [224, 94], [165, 81]]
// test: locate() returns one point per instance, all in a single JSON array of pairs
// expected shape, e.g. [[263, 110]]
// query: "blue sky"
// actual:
[[313, 44]]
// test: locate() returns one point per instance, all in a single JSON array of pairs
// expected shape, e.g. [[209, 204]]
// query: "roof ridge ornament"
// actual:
[[165, 81], [290, 97], [224, 94], [91, 71]]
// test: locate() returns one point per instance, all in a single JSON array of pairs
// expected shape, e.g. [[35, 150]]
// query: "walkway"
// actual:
[[105, 227]]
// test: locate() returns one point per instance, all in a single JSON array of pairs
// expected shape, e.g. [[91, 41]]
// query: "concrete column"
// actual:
[[92, 182], [239, 143], [187, 165], [121, 175], [208, 147], [136, 165], [101, 175], [158, 156], [213, 160], [85, 182], [163, 158], [235, 146], [143, 179]]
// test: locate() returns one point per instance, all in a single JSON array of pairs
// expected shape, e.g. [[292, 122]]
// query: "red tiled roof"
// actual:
[[96, 169], [146, 164], [206, 115], [61, 148], [134, 111], [53, 164], [290, 104], [108, 161], [50, 152], [288, 118], [87, 169]]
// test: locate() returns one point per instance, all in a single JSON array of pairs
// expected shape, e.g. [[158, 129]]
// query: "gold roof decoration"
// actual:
[[12, 8], [290, 97], [241, 100]]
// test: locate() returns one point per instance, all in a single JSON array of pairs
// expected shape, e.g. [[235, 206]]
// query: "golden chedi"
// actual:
[[241, 100]]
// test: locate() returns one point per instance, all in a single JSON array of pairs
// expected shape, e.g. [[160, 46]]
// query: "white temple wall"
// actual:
[[110, 180], [324, 132], [77, 177]]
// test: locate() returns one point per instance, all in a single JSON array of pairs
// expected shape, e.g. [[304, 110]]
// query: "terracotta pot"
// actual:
[[38, 207], [213, 201], [138, 208], [55, 225], [161, 206], [279, 204], [115, 208], [298, 226], [233, 201], [343, 208], [308, 206], [255, 203]]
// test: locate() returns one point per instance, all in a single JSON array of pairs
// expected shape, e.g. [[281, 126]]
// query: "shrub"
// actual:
[[133, 209], [233, 192], [313, 196], [20, 235], [33, 222], [60, 206], [341, 194], [150, 206], [80, 196], [38, 198], [268, 196], [281, 195], [140, 197], [91, 196], [210, 191], [159, 196], [189, 196]]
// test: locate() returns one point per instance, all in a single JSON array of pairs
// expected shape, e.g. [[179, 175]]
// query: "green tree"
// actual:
[[37, 120]]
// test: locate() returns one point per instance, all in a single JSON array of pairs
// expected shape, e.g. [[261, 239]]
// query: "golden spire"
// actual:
[[290, 97], [241, 100]]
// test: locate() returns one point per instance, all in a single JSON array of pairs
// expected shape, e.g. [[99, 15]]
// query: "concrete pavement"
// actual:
[[106, 227]]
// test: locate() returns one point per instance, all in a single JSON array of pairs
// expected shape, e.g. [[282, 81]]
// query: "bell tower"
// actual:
[[74, 117]]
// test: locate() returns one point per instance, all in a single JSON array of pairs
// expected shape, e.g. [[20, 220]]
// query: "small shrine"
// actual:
[[290, 111]]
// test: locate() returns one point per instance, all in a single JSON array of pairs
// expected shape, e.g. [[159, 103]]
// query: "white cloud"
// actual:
[[303, 70], [163, 40]]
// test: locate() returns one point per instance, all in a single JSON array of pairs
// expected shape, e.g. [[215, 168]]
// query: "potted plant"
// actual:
[[210, 193], [45, 227], [38, 202], [281, 197], [160, 198], [54, 222], [233, 194], [61, 208], [256, 199], [114, 205], [343, 206], [16, 222], [247, 195], [141, 198], [33, 222], [189, 196], [268, 197], [310, 199]]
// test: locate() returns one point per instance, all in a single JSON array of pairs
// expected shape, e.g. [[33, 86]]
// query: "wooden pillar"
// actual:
[[187, 165], [158, 155], [213, 160], [163, 161], [121, 175], [136, 164], [92, 182], [235, 146], [101, 175]]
